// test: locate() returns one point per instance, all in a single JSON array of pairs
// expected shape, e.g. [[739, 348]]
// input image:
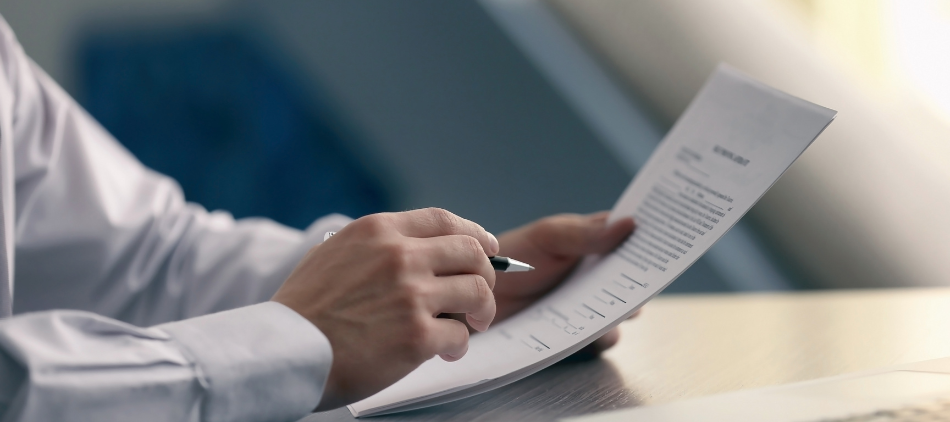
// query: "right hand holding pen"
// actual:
[[375, 290]]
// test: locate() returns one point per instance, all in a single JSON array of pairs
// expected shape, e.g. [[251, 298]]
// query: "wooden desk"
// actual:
[[688, 346]]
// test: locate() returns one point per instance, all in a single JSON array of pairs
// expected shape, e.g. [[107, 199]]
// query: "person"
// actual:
[[176, 313]]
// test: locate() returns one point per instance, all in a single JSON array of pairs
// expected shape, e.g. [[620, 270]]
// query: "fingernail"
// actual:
[[458, 356], [477, 324], [599, 218], [596, 229], [493, 243]]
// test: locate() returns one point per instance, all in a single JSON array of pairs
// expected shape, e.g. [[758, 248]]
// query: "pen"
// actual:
[[508, 265], [499, 263]]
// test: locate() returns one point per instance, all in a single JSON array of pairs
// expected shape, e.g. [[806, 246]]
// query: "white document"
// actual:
[[730, 146]]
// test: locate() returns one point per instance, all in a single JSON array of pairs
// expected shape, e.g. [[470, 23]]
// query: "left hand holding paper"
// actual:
[[554, 245]]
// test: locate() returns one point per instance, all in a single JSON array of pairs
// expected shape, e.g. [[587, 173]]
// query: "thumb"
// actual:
[[609, 236]]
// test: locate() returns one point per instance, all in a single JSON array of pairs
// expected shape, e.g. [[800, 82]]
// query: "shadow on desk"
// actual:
[[685, 346], [565, 389]]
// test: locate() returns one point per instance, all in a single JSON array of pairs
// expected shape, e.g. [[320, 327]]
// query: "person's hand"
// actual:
[[554, 245], [375, 290]]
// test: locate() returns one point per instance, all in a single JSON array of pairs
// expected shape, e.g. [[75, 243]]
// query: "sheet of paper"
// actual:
[[730, 146]]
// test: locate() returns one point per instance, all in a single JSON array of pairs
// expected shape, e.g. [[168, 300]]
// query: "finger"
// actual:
[[456, 254], [612, 235], [463, 294], [572, 235], [434, 222], [635, 314], [448, 338], [607, 341]]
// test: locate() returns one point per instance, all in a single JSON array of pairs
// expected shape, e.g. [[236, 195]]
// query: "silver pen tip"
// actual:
[[515, 266]]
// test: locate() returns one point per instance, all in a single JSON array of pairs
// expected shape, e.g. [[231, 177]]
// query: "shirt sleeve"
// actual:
[[257, 363], [96, 230], [100, 234]]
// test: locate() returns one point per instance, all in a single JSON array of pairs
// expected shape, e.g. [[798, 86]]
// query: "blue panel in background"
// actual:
[[210, 108]]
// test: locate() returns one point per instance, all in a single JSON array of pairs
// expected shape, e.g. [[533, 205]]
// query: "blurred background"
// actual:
[[292, 109]]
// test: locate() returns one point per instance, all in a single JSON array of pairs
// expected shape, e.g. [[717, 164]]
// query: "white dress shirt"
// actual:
[[86, 227]]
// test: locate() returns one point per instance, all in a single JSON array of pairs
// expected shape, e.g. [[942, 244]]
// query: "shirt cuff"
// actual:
[[259, 362]]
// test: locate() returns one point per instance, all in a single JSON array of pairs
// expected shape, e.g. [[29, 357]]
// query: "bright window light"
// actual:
[[919, 40], [886, 44]]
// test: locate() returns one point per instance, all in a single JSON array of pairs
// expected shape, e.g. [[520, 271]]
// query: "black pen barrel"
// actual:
[[499, 263]]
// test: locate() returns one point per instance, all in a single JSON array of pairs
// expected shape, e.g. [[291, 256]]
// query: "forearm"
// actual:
[[96, 230], [153, 264], [262, 362]]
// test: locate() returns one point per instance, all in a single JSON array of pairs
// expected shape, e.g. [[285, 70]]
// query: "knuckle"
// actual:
[[417, 338], [416, 328], [473, 247], [397, 256], [480, 289], [445, 220], [411, 294], [491, 280], [403, 302], [408, 293], [372, 224]]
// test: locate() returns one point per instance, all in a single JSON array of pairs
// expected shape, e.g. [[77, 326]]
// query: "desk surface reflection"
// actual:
[[695, 345]]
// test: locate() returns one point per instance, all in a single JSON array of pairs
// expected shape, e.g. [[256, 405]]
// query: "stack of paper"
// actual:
[[730, 146]]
